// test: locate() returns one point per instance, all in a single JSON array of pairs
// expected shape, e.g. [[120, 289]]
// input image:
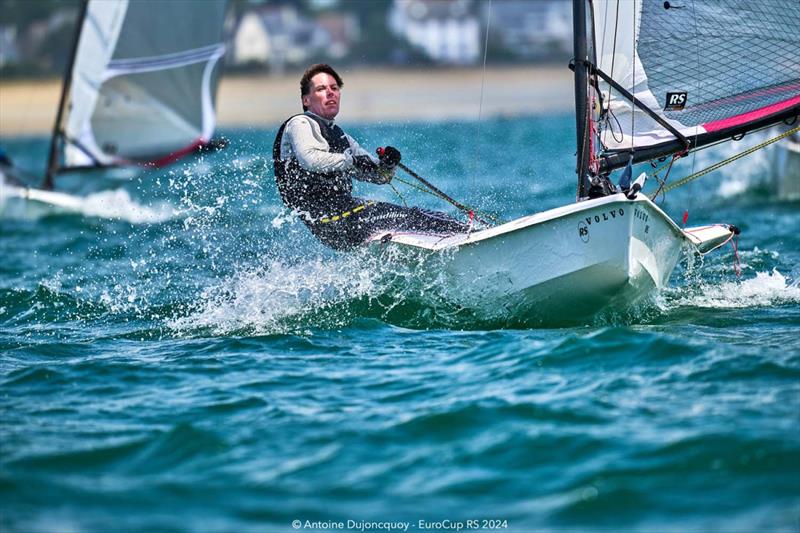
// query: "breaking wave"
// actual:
[[327, 292]]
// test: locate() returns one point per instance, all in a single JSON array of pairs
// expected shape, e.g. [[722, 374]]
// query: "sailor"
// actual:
[[315, 161]]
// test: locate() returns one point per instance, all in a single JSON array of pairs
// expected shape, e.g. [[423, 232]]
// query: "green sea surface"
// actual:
[[181, 355]]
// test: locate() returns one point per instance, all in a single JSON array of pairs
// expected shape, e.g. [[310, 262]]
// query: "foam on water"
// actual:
[[328, 291], [765, 289], [298, 296], [268, 298]]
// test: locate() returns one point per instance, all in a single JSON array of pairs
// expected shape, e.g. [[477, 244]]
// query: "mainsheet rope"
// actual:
[[493, 218]]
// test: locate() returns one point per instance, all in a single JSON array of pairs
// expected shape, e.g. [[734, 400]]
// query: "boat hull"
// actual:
[[565, 263]]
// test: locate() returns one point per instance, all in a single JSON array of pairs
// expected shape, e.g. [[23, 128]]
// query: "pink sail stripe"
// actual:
[[744, 118]]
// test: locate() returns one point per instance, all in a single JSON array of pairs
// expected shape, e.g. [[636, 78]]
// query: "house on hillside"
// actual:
[[446, 31], [343, 32], [533, 29], [8, 46], [251, 43], [279, 36]]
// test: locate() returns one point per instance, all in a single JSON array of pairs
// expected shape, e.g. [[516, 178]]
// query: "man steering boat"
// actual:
[[315, 162]]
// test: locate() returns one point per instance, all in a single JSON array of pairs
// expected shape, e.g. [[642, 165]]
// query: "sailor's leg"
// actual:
[[339, 235], [341, 230], [383, 216], [355, 225]]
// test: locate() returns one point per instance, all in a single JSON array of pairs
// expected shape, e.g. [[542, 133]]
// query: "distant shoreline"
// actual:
[[29, 107]]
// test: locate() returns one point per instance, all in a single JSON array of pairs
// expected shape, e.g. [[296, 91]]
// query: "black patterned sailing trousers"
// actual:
[[353, 226]]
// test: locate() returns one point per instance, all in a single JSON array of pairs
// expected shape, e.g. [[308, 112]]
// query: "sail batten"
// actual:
[[166, 61], [703, 70]]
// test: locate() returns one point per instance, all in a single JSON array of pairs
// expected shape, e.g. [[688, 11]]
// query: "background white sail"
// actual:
[[143, 81]]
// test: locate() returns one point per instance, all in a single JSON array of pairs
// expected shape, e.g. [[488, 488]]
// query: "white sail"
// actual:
[[701, 67], [143, 81]]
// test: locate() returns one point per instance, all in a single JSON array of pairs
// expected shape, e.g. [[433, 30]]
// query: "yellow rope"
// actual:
[[724, 162], [398, 194]]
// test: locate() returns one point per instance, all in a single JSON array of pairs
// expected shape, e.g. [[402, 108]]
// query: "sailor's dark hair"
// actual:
[[313, 70]]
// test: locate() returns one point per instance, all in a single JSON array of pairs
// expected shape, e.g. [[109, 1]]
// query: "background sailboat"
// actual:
[[784, 169], [139, 91], [652, 80]]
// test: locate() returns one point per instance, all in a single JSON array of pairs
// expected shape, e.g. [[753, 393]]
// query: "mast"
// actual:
[[581, 80], [52, 161]]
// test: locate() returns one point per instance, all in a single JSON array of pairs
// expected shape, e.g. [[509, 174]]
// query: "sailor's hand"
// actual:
[[364, 164], [389, 156], [370, 171], [384, 175]]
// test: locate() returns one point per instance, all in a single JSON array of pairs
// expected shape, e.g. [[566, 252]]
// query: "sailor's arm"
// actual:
[[311, 150]]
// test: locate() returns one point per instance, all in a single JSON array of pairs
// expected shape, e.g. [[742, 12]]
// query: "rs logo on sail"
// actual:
[[676, 101]]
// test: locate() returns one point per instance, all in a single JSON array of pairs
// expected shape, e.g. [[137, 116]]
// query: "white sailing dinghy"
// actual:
[[139, 90], [652, 80]]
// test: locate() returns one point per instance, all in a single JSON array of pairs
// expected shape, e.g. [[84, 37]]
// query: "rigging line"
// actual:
[[605, 26], [597, 102], [608, 114], [613, 60], [611, 126], [697, 86], [595, 111], [663, 181], [633, 82], [641, 105], [402, 199], [476, 154], [482, 213], [415, 186], [731, 159]]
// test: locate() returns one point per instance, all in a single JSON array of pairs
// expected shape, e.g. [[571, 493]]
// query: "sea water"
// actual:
[[179, 354]]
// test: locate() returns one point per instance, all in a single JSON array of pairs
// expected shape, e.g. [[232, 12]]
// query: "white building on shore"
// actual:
[[447, 31], [279, 35], [251, 42]]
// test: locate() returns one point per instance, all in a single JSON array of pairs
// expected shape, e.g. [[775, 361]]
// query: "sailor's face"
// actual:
[[323, 100]]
